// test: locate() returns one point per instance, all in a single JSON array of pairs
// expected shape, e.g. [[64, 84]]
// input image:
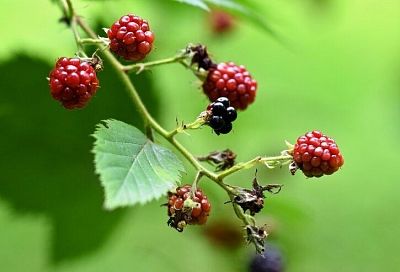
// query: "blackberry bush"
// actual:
[[134, 169]]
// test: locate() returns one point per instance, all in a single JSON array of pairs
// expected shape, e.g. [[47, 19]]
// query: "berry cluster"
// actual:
[[228, 86], [231, 81], [221, 116], [184, 207], [73, 82], [130, 37], [316, 154]]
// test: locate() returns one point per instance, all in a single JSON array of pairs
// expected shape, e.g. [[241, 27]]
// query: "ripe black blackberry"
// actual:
[[221, 116]]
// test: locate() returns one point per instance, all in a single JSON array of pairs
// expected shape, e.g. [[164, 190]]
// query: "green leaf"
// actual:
[[132, 169], [196, 3]]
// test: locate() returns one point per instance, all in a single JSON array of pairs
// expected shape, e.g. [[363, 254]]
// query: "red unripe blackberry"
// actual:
[[130, 37], [316, 154], [231, 81], [182, 211], [73, 82]]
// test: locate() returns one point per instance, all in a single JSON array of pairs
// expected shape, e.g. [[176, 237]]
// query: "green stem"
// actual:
[[245, 165], [91, 41], [73, 19], [277, 160], [139, 67], [66, 10], [195, 182], [194, 125]]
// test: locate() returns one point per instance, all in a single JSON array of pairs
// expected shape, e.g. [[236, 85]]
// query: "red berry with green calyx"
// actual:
[[317, 154], [73, 82], [186, 208], [131, 38], [231, 81]]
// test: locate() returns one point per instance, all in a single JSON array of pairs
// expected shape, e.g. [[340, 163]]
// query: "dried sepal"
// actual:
[[222, 159], [253, 199], [200, 56], [256, 236]]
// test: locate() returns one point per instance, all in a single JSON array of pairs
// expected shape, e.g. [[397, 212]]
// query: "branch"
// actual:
[[139, 67], [151, 123]]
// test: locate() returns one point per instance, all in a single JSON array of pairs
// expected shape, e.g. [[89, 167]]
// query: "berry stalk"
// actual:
[[140, 67], [91, 41], [71, 18], [276, 160], [181, 58]]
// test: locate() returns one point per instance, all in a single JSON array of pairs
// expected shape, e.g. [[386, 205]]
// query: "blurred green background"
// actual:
[[336, 69]]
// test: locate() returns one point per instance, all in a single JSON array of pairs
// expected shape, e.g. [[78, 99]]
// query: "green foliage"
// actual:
[[344, 74], [132, 168], [196, 3]]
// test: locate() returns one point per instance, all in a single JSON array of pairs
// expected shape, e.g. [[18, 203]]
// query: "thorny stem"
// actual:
[[150, 123], [282, 159], [194, 125]]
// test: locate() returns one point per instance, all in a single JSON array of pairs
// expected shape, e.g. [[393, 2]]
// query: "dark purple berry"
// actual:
[[218, 109], [224, 101], [225, 129], [269, 261], [232, 114], [216, 122]]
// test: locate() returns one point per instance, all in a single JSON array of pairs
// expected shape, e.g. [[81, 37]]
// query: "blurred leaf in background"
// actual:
[[48, 168]]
